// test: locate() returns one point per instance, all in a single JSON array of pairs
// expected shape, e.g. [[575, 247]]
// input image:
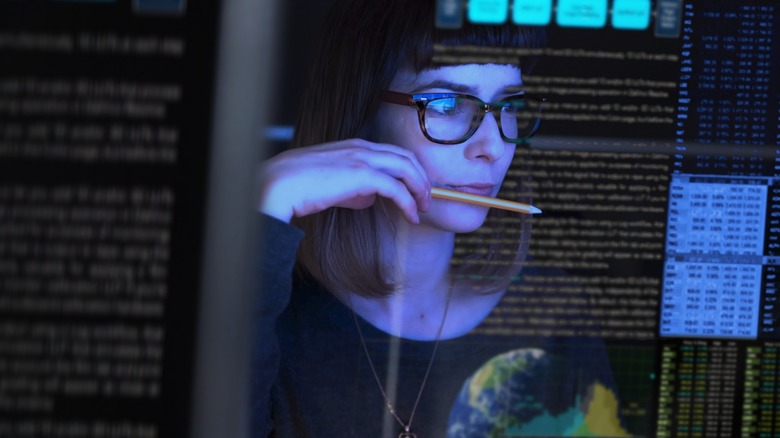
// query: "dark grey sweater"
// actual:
[[311, 377]]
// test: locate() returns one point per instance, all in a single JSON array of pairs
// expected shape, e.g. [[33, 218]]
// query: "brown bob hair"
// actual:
[[363, 45]]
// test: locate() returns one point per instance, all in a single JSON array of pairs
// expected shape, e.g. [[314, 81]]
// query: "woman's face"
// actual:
[[477, 165]]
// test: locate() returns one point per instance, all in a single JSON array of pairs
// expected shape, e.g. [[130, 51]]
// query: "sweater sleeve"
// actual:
[[279, 243]]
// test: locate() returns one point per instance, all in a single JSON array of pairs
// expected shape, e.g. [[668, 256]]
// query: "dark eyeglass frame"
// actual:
[[420, 102]]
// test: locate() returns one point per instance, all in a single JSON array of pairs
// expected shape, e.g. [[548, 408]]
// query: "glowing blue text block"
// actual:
[[668, 17], [532, 12], [631, 14], [581, 13], [488, 11]]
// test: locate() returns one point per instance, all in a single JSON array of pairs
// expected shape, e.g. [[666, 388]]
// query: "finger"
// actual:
[[397, 192], [397, 162], [358, 146], [335, 173], [363, 186], [401, 168], [386, 147]]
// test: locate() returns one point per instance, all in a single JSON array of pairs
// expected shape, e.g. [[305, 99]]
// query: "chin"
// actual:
[[460, 218]]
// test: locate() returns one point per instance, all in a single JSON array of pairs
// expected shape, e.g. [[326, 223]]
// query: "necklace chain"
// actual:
[[406, 426]]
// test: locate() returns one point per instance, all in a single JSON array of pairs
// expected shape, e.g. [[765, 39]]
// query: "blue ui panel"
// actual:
[[488, 11], [532, 12], [668, 18], [581, 13], [449, 14], [631, 14]]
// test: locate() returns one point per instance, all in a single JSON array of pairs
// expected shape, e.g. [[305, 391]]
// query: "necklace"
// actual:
[[406, 432]]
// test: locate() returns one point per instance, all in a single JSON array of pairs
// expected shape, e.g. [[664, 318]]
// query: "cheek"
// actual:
[[507, 159], [439, 163], [396, 125]]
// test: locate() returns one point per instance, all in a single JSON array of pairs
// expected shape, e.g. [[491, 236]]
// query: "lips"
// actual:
[[475, 189]]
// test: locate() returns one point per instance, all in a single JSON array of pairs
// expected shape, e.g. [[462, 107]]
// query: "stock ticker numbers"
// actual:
[[724, 210], [726, 74], [718, 388], [761, 411], [698, 389], [714, 265]]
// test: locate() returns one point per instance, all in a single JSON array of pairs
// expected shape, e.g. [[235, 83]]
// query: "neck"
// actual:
[[417, 257]]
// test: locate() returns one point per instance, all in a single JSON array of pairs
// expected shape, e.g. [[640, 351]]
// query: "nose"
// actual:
[[486, 143]]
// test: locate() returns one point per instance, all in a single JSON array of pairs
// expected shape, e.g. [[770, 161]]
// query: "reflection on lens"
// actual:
[[450, 119], [454, 119]]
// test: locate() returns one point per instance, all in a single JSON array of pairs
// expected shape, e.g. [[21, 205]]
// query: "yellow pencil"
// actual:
[[485, 201]]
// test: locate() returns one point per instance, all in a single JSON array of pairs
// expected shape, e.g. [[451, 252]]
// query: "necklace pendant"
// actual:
[[406, 434]]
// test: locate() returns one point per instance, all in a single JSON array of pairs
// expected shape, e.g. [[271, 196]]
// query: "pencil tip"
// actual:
[[535, 210]]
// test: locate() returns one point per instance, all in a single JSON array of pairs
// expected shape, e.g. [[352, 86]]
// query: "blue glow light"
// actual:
[[581, 13], [631, 14], [532, 12], [488, 11]]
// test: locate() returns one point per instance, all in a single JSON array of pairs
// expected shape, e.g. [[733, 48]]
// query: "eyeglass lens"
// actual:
[[453, 118]]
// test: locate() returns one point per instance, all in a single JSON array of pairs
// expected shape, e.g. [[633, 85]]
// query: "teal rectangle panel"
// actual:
[[532, 12], [581, 13], [488, 11], [631, 14]]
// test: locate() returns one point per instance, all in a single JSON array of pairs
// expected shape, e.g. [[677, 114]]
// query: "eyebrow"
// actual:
[[441, 83], [461, 88]]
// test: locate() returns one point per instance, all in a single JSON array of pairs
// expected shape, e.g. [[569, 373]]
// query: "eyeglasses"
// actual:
[[451, 118]]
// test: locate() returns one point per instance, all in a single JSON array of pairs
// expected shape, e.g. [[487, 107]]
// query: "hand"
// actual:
[[349, 173]]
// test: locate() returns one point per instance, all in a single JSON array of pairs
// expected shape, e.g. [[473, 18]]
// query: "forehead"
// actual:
[[475, 78]]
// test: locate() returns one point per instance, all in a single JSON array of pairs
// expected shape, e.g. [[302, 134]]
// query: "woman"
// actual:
[[379, 335]]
